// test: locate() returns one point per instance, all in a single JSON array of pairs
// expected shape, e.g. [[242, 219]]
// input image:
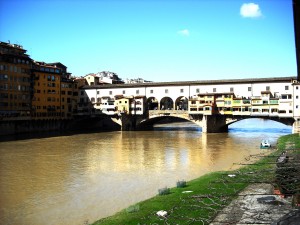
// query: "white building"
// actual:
[[280, 94]]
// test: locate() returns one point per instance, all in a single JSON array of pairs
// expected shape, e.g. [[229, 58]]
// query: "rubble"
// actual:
[[257, 204]]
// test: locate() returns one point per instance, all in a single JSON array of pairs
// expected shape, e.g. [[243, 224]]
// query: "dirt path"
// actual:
[[257, 204]]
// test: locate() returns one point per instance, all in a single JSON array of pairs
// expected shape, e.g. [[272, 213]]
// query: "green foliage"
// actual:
[[133, 208], [164, 191], [181, 184], [289, 142]]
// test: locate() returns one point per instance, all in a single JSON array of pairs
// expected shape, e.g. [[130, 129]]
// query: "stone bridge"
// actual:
[[208, 123]]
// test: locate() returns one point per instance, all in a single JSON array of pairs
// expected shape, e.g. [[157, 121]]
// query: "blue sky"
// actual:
[[158, 40]]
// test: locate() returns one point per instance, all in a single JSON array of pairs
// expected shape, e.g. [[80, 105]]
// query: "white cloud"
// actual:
[[251, 10], [184, 32]]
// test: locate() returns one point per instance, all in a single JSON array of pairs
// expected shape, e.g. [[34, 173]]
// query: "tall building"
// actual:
[[69, 93], [15, 81], [53, 91]]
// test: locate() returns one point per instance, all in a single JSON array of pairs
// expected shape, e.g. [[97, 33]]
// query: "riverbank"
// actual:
[[79, 125], [202, 199]]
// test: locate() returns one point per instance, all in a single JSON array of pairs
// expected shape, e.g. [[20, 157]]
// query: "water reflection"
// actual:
[[78, 178]]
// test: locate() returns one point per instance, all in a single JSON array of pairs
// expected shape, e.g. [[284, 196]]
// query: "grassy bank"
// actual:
[[200, 200]]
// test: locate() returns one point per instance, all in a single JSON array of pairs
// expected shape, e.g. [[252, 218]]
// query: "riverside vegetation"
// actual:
[[198, 201]]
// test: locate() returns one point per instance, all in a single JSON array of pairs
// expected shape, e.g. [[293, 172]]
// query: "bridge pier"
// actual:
[[214, 124], [296, 126], [128, 122]]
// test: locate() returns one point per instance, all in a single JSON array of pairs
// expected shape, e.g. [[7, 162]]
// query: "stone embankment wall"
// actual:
[[11, 127]]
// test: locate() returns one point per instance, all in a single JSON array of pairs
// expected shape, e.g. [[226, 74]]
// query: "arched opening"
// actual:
[[181, 103], [168, 123], [266, 126], [152, 103], [166, 103]]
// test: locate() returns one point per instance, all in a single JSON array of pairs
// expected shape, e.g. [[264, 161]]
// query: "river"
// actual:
[[77, 179]]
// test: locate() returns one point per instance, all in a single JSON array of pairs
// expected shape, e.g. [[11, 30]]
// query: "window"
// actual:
[[297, 88], [267, 88], [166, 91], [286, 96], [137, 92], [197, 90], [181, 90], [214, 89], [151, 91], [231, 89], [286, 88], [98, 92], [3, 77], [124, 92], [110, 92]]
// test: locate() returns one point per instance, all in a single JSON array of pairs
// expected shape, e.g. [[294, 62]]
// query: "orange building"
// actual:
[[53, 91], [15, 81]]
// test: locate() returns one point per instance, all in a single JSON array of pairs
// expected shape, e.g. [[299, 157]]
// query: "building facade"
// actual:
[[34, 90], [53, 92], [249, 97], [16, 88]]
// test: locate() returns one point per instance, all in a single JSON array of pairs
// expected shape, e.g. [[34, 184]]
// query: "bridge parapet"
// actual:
[[176, 113], [159, 112]]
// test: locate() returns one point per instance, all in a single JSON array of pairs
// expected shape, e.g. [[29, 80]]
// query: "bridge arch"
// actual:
[[152, 103], [285, 121], [148, 123], [166, 103], [181, 103]]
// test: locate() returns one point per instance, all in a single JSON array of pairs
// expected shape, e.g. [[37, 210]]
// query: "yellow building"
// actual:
[[202, 104], [69, 92], [46, 100], [122, 104], [53, 91], [211, 103], [15, 82]]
